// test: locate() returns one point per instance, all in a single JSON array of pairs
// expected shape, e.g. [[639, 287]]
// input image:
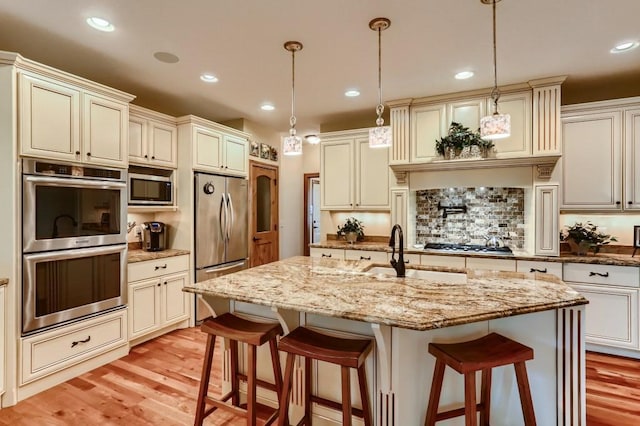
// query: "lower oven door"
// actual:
[[65, 285]]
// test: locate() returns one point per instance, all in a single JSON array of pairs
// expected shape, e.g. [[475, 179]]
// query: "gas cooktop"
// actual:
[[468, 248]]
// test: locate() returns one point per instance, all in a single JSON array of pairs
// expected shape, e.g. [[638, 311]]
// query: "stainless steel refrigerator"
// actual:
[[221, 228]]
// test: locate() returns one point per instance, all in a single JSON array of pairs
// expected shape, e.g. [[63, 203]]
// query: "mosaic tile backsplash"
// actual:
[[468, 215]]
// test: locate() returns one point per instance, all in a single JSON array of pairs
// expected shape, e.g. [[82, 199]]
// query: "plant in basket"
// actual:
[[352, 230]]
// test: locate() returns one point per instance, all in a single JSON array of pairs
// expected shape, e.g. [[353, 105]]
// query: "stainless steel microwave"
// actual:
[[151, 189]]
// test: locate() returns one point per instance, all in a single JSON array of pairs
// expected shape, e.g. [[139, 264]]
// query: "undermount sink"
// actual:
[[447, 277]]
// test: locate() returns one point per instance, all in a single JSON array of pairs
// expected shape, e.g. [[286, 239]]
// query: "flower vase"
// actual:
[[351, 237]]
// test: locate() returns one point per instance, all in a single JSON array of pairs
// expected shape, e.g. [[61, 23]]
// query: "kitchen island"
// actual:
[[404, 314]]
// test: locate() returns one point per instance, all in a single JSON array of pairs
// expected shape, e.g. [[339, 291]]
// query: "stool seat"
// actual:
[[347, 353], [492, 350], [233, 327], [308, 343]]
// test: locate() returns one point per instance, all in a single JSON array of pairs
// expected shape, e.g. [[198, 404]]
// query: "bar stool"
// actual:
[[483, 354], [254, 334], [347, 353]]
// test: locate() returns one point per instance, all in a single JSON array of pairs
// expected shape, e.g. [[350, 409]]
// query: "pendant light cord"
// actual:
[[380, 107], [292, 120], [495, 93]]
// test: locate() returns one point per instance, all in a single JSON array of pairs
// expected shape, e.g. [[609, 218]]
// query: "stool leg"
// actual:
[[470, 418], [485, 397], [434, 395], [525, 394], [364, 396], [251, 387], [283, 416], [306, 420], [277, 369], [204, 379], [235, 388], [346, 396]]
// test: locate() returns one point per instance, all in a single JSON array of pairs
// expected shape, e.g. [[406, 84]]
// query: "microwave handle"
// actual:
[[75, 183]]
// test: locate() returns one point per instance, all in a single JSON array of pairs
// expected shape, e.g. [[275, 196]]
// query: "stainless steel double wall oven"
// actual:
[[73, 242]]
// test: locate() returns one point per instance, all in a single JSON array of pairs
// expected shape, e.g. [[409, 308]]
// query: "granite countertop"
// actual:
[[4, 281], [139, 255], [600, 258], [343, 289]]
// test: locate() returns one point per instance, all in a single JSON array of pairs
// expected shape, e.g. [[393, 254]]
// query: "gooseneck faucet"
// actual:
[[398, 265]]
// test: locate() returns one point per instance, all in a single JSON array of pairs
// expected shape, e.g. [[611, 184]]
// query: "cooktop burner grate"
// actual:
[[468, 248]]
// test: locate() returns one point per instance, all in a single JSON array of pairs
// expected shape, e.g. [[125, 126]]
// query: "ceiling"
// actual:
[[241, 42]]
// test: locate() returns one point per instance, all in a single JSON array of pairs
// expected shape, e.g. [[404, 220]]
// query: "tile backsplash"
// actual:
[[468, 215]]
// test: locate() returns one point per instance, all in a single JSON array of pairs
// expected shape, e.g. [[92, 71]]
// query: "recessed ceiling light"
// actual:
[[624, 47], [352, 93], [209, 78], [166, 57], [463, 75], [267, 107], [312, 139], [100, 24]]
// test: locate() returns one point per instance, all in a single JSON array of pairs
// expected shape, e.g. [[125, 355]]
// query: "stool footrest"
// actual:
[[259, 382], [218, 403], [455, 413], [335, 405]]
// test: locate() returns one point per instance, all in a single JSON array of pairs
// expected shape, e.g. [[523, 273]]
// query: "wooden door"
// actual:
[[264, 214]]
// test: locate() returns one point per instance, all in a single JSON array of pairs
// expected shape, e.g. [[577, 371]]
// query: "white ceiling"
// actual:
[[241, 42]]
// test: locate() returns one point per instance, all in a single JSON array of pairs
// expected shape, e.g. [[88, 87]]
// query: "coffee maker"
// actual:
[[154, 236]]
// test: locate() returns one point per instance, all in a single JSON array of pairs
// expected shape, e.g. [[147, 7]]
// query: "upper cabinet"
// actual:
[[353, 176], [62, 117], [214, 147], [601, 156], [153, 138]]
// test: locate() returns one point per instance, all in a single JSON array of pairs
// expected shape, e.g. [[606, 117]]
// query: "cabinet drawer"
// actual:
[[625, 276], [491, 264], [438, 260], [155, 268], [327, 252], [374, 256], [553, 268], [49, 352]]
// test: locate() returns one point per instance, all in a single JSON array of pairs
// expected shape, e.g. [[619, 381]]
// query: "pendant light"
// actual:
[[495, 126], [380, 136], [292, 144]]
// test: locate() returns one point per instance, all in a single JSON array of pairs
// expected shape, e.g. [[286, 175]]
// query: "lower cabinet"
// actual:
[[327, 253], [540, 267], [374, 256], [156, 299], [2, 355], [491, 264]]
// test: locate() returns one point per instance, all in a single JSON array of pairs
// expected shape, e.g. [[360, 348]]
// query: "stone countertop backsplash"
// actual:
[[139, 255], [617, 259]]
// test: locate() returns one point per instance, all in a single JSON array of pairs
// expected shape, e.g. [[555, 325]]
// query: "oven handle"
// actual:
[[75, 252], [76, 183]]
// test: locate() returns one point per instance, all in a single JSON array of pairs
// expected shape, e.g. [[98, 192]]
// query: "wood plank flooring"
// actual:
[[157, 384]]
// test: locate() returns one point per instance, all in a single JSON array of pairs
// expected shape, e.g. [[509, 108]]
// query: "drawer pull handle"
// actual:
[[365, 257], [544, 271], [326, 255], [161, 267], [77, 342], [593, 274], [406, 261]]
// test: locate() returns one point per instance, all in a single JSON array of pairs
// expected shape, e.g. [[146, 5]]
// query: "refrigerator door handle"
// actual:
[[231, 220], [225, 267], [220, 217]]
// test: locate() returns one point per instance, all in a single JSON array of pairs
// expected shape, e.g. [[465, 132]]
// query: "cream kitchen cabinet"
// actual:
[[2, 337], [62, 121], [446, 261], [214, 147], [331, 253], [374, 256], [540, 267], [153, 138], [156, 299], [353, 176], [632, 158], [491, 264]]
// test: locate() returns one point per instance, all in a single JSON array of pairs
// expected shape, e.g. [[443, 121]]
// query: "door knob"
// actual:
[[256, 238]]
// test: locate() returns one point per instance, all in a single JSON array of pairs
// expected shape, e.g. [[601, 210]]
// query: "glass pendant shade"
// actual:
[[292, 145], [496, 126], [380, 137]]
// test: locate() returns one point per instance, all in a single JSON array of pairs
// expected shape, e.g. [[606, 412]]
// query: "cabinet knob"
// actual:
[[158, 284], [146, 156], [88, 154], [77, 152], [618, 203], [153, 157], [165, 283], [326, 255], [629, 202]]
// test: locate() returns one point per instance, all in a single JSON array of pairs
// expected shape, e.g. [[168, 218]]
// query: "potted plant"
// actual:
[[352, 230], [460, 143], [584, 237]]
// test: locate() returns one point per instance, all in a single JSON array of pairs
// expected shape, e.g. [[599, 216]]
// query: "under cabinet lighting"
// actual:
[[100, 24], [267, 107], [352, 93], [463, 75]]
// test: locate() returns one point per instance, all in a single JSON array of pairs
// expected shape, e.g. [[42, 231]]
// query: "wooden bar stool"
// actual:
[[254, 334], [483, 354], [347, 353]]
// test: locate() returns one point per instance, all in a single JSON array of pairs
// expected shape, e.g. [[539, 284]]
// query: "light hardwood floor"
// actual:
[[157, 384]]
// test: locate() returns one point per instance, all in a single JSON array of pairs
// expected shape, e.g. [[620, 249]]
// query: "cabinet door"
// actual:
[[163, 144], [372, 176], [236, 155], [491, 264], [104, 136], [428, 124], [49, 119], [468, 113], [327, 253], [591, 161], [206, 149], [547, 236], [144, 307], [337, 175], [518, 106], [374, 256], [2, 328], [612, 315], [175, 302], [632, 159], [138, 140], [540, 267]]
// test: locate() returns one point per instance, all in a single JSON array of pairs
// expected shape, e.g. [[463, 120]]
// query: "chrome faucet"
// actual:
[[398, 265]]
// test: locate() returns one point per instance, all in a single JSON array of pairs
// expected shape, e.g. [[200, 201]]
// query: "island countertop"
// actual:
[[343, 289]]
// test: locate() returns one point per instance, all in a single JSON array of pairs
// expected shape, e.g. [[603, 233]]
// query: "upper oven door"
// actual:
[[63, 213]]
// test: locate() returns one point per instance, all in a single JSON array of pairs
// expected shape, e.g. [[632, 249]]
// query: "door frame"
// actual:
[[305, 227], [275, 168]]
